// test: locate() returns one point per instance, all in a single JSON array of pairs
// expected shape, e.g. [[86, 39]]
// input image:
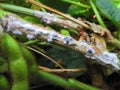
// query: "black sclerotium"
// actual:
[[45, 21], [90, 51], [68, 40], [52, 37]]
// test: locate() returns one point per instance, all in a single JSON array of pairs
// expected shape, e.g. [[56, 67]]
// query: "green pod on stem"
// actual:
[[17, 64], [3, 65], [32, 65], [4, 84]]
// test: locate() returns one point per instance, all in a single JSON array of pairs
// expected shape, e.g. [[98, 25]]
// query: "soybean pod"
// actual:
[[3, 65], [17, 64], [32, 65], [4, 84]]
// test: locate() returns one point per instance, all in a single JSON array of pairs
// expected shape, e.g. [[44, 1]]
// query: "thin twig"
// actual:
[[45, 56], [60, 70]]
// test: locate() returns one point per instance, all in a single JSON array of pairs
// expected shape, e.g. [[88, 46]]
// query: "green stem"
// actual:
[[114, 42], [3, 66], [3, 13], [70, 83], [76, 3], [97, 14], [17, 9], [4, 83], [80, 85], [51, 78]]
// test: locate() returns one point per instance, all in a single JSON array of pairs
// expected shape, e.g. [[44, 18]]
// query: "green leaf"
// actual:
[[109, 10], [70, 59], [56, 4], [65, 32], [32, 19], [76, 10], [117, 3]]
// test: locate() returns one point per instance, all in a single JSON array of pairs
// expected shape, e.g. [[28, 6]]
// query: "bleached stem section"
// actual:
[[51, 19], [15, 25], [54, 20]]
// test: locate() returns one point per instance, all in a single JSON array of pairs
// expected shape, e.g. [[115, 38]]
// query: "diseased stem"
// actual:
[[60, 13], [61, 22], [15, 25]]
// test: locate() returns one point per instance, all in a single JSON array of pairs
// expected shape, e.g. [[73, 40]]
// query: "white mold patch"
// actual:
[[111, 56], [27, 26], [45, 32], [110, 59], [37, 32], [17, 32], [30, 37], [45, 17]]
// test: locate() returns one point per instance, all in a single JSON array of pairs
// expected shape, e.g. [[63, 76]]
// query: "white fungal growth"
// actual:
[[44, 16], [107, 58], [17, 32], [30, 37], [111, 56], [53, 19], [37, 32], [43, 31], [104, 58], [27, 26]]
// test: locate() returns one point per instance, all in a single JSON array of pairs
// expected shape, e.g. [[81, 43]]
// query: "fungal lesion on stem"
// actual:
[[15, 25]]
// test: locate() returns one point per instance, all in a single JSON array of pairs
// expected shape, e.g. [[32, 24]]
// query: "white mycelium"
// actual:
[[17, 32], [16, 25], [37, 32], [44, 16], [109, 59], [53, 19], [30, 37]]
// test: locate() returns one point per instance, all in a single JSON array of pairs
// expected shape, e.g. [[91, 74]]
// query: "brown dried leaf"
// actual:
[[99, 42]]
